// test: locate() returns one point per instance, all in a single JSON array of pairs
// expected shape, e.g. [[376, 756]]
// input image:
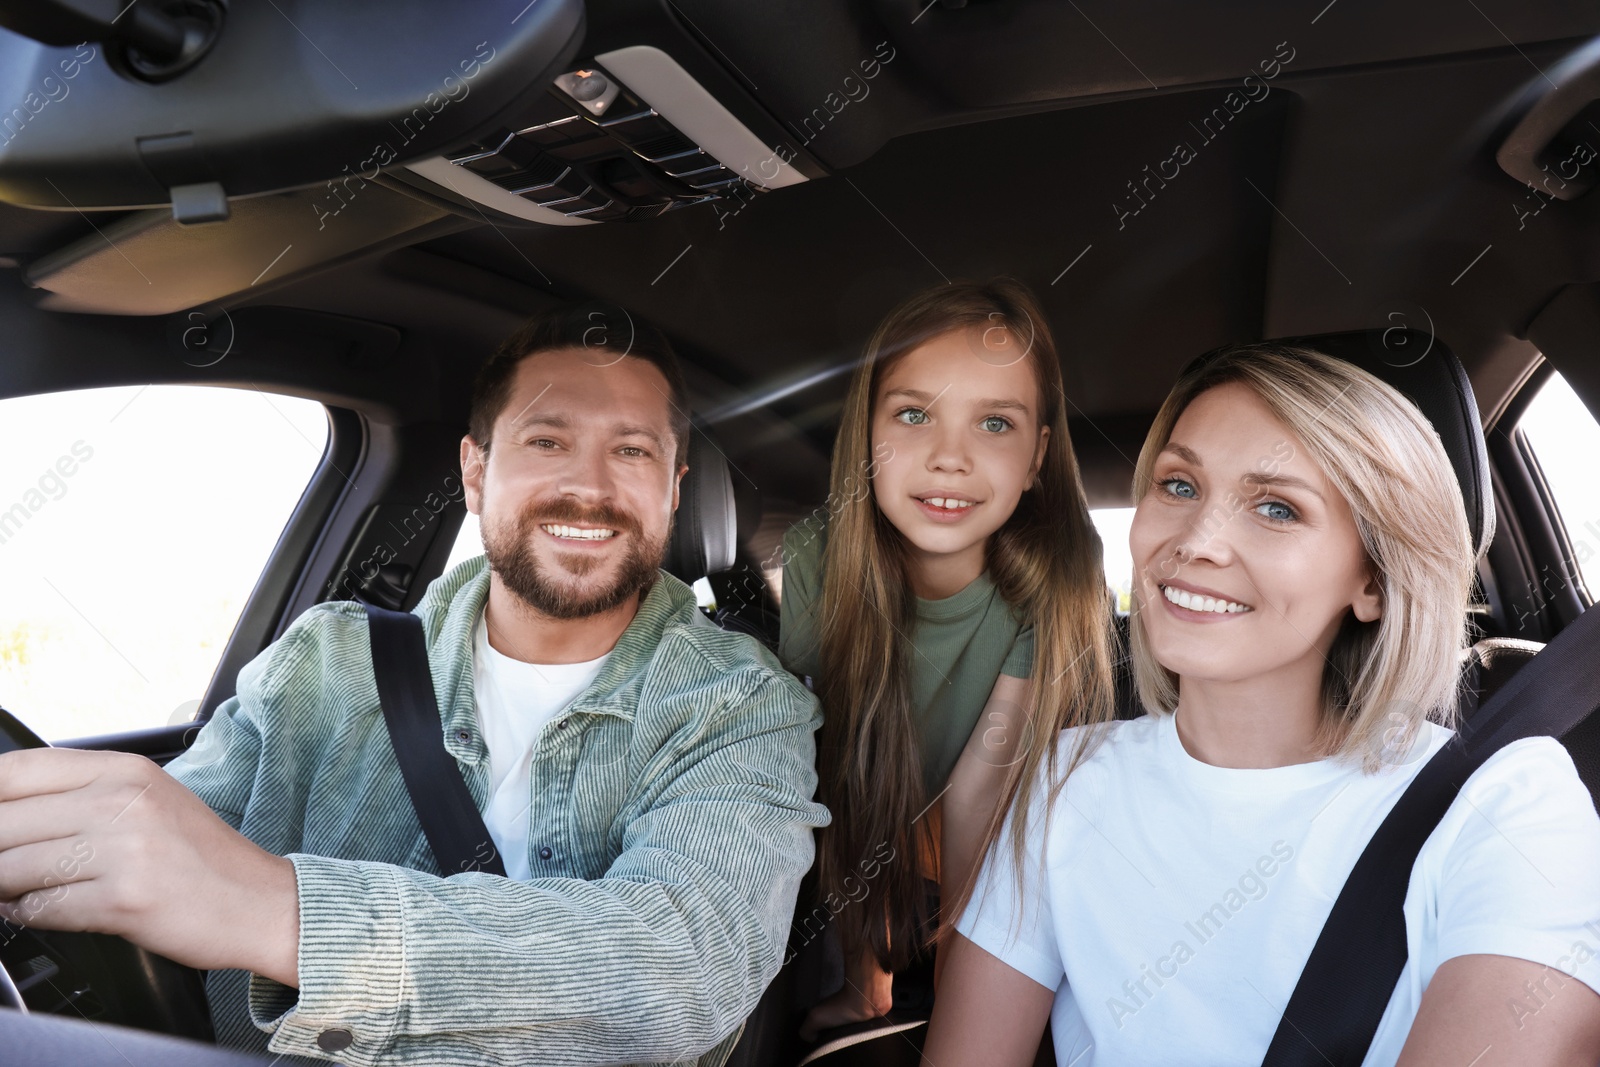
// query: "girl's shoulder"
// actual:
[[801, 558], [803, 542], [799, 641]]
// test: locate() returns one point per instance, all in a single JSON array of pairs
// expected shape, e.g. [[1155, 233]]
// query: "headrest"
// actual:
[[1421, 367], [704, 534]]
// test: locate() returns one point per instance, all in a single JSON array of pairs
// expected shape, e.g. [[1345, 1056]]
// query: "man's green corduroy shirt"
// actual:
[[670, 818]]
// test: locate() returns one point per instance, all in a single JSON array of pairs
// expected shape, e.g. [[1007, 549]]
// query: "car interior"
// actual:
[[352, 205]]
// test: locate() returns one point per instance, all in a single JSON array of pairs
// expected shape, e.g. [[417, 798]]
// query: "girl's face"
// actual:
[[1247, 558], [958, 420]]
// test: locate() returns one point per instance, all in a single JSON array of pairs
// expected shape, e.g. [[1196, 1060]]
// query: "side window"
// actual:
[[134, 523], [1113, 524], [1566, 441]]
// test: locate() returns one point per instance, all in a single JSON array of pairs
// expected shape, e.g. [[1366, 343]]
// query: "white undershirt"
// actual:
[[515, 701], [1180, 900]]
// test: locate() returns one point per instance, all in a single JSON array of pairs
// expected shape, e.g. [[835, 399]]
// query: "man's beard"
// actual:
[[509, 547]]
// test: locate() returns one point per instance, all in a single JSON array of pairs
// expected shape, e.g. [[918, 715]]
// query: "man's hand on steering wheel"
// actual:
[[109, 842]]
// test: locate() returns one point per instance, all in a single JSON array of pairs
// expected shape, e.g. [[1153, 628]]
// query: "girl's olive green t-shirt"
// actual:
[[959, 645]]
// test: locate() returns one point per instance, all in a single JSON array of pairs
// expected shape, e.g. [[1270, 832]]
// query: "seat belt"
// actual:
[[1352, 971], [444, 806]]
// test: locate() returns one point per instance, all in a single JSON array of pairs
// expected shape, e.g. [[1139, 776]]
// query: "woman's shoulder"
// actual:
[[1531, 771], [1513, 869]]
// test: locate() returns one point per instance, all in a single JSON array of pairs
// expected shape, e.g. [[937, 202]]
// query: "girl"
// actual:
[[953, 575], [1304, 571]]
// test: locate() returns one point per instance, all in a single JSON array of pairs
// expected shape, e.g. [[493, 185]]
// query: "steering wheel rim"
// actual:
[[10, 995], [13, 735]]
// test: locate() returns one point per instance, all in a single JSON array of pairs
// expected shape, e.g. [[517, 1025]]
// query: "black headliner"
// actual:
[[1361, 188]]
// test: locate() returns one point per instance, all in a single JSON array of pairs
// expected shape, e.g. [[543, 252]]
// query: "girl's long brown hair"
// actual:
[[1045, 561]]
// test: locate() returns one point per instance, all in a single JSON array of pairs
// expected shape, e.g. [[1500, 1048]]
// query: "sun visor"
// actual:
[[283, 95], [148, 264]]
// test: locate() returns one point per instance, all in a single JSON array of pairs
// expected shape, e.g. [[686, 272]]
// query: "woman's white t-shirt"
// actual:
[[515, 701], [1172, 904]]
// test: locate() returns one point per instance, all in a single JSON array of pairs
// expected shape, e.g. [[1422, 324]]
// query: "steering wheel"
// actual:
[[101, 976], [10, 997]]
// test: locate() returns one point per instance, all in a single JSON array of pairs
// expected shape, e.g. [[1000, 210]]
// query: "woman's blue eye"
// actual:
[[1179, 488], [1276, 510], [996, 424], [918, 416]]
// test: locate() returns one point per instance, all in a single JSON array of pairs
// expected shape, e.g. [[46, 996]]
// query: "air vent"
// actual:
[[671, 144], [540, 174], [602, 167]]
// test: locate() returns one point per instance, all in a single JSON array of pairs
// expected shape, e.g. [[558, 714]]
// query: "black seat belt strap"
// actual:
[[444, 806], [1350, 976]]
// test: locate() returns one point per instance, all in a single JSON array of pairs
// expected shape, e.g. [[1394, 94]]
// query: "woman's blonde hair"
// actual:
[[1045, 562], [1385, 677]]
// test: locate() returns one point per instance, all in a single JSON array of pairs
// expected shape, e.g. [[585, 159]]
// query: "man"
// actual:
[[646, 776]]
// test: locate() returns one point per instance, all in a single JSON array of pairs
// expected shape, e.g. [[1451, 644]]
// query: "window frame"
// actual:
[[1530, 536]]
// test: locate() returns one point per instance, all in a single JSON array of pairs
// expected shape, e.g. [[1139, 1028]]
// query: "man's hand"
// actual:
[[109, 842]]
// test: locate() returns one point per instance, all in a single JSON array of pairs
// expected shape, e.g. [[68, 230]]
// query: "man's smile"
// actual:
[[567, 532]]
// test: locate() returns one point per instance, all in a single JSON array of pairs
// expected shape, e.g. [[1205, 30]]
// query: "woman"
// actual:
[[1304, 570]]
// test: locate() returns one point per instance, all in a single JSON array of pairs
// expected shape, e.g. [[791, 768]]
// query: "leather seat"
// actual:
[[705, 531], [1489, 665], [705, 544]]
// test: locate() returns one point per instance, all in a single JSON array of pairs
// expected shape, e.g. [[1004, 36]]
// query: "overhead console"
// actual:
[[630, 136]]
